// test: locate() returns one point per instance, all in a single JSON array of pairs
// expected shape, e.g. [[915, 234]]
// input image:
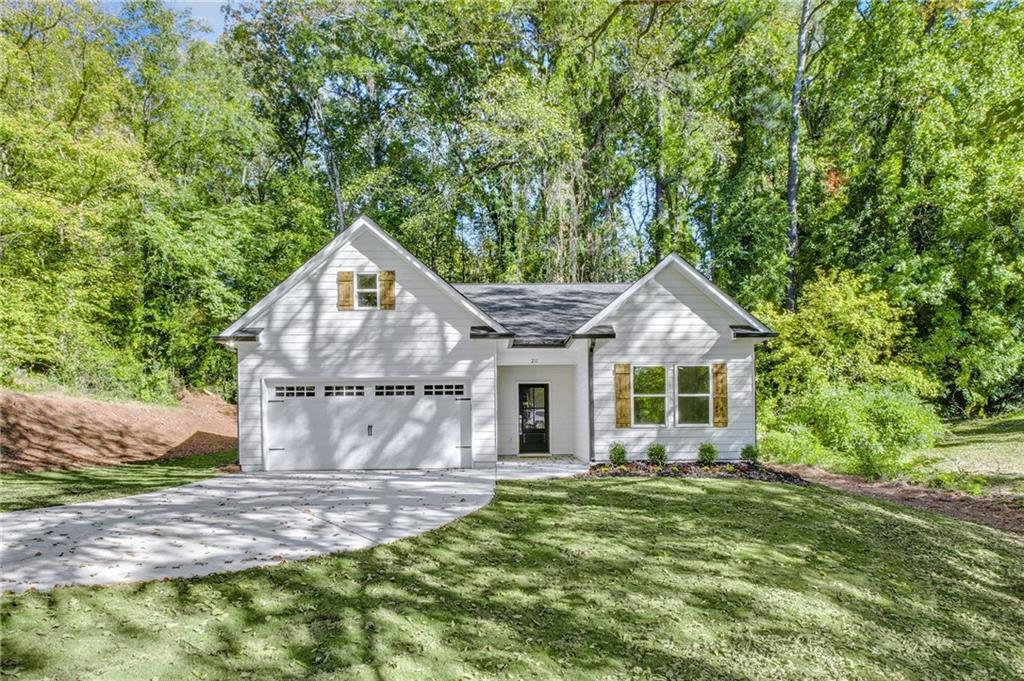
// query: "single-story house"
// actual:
[[365, 358]]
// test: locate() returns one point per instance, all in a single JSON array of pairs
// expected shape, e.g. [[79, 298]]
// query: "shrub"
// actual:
[[656, 454], [707, 454], [791, 443], [749, 453], [867, 430], [617, 454]]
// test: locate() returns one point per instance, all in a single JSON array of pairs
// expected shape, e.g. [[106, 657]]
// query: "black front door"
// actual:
[[533, 418]]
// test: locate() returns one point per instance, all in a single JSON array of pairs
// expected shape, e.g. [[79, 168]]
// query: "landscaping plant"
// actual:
[[617, 454], [749, 453], [707, 453]]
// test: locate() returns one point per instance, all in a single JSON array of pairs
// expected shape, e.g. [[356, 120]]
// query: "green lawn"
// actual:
[[578, 579], [19, 491], [981, 456]]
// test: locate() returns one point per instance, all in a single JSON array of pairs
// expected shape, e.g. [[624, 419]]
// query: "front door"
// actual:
[[533, 418]]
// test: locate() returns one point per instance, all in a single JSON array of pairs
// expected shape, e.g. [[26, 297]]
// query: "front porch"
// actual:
[[542, 406]]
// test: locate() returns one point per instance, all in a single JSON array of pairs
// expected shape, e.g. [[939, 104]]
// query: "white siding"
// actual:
[[669, 322], [306, 336], [561, 406]]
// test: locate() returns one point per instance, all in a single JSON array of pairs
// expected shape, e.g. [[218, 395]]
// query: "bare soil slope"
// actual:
[[41, 432]]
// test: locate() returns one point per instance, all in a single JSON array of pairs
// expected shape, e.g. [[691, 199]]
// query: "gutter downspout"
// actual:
[[590, 393]]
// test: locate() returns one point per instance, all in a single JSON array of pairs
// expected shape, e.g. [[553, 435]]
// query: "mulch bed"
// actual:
[[742, 470]]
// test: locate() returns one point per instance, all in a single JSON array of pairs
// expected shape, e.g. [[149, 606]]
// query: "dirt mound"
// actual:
[[40, 432]]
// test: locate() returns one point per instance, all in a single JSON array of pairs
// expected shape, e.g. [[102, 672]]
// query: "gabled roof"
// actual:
[[542, 314], [759, 329], [239, 331]]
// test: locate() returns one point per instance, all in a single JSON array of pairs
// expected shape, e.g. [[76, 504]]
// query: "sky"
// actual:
[[206, 12]]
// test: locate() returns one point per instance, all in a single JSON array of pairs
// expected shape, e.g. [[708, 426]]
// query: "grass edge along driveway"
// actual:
[[579, 579], [40, 489]]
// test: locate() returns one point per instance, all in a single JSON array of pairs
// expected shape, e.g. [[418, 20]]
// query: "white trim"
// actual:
[[323, 255], [633, 396], [695, 277], [375, 289], [676, 395]]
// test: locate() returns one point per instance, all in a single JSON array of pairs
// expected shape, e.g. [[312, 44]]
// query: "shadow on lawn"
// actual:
[[682, 579], [51, 488], [984, 431]]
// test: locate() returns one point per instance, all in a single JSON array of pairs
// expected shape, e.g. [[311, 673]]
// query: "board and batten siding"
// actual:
[[561, 406], [306, 336], [670, 322]]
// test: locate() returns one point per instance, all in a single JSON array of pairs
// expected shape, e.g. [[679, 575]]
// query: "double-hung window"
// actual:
[[649, 396], [366, 291], [693, 395]]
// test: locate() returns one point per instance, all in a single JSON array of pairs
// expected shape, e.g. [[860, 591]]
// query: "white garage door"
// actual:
[[352, 424]]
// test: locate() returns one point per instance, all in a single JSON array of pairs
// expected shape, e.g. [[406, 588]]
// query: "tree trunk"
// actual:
[[794, 130], [330, 163], [660, 181]]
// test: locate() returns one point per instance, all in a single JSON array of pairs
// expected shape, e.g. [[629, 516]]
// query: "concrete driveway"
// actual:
[[234, 522]]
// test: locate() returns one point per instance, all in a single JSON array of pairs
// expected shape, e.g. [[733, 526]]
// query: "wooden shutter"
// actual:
[[622, 406], [387, 289], [346, 291], [720, 394]]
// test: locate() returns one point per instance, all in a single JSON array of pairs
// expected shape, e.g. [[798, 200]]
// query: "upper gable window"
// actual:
[[366, 291]]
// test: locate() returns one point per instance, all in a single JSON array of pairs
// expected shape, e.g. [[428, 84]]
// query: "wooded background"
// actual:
[[153, 185]]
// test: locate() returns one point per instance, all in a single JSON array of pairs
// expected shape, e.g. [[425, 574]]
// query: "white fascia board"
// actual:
[[694, 276]]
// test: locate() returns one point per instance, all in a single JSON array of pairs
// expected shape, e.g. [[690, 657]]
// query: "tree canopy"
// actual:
[[153, 185]]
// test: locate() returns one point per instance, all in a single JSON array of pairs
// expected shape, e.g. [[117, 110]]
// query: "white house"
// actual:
[[366, 358]]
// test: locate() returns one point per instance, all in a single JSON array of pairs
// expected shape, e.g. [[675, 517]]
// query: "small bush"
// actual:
[[749, 453], [617, 454], [656, 454], [707, 454]]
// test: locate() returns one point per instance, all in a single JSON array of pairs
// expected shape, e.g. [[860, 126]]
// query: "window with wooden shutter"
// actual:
[[693, 395], [623, 418], [346, 290], [387, 290], [720, 394]]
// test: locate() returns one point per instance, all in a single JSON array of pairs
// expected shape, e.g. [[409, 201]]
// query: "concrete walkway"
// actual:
[[234, 522]]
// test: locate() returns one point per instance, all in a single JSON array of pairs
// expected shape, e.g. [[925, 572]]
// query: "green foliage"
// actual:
[[153, 185], [707, 453], [656, 454], [617, 454], [843, 333], [791, 443], [749, 453], [868, 430]]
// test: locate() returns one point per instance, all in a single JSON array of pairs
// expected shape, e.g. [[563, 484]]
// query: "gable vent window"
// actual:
[[435, 389], [366, 291], [394, 390], [343, 391], [294, 391]]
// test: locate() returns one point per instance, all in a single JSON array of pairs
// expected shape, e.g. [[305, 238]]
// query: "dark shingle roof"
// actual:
[[541, 314]]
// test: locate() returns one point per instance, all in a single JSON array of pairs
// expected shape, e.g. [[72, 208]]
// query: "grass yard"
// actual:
[[981, 456], [19, 491], [580, 579]]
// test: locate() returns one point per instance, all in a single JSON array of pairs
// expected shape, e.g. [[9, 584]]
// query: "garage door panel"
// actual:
[[393, 424]]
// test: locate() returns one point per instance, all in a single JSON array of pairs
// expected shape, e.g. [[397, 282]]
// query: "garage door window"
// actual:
[[438, 389], [394, 390], [294, 391], [343, 391]]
